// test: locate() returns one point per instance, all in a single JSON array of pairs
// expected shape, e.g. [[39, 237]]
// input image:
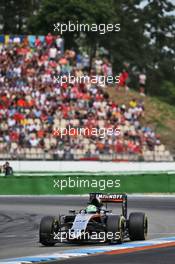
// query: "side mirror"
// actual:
[[72, 211], [109, 211]]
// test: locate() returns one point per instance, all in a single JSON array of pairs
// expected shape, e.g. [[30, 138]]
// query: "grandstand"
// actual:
[[32, 105]]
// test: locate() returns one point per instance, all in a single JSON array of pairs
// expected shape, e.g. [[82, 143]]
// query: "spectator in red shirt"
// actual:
[[49, 39], [123, 79], [37, 41]]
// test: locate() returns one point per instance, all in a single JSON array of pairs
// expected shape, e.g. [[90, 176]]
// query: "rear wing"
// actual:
[[111, 198]]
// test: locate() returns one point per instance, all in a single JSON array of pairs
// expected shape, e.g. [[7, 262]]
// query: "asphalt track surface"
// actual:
[[20, 217], [156, 256]]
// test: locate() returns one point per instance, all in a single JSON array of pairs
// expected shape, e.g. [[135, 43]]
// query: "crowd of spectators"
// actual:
[[32, 104]]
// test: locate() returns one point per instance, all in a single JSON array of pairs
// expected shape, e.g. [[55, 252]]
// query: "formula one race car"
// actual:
[[95, 223]]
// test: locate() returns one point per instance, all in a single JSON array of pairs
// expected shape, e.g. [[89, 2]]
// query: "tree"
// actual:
[[159, 23], [15, 14], [76, 11]]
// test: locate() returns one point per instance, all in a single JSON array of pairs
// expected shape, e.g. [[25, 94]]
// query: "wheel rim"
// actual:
[[121, 229]]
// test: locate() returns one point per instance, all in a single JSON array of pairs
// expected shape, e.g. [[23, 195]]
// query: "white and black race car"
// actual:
[[95, 222]]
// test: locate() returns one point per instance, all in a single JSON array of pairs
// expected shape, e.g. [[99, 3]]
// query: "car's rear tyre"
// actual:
[[48, 225], [115, 225], [138, 226]]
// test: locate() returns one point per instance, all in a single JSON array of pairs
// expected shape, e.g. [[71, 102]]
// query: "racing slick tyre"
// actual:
[[138, 226], [115, 225], [48, 225]]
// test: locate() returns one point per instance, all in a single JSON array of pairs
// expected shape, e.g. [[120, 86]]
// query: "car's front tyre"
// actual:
[[46, 232]]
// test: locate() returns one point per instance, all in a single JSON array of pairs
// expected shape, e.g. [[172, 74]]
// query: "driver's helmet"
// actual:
[[91, 209]]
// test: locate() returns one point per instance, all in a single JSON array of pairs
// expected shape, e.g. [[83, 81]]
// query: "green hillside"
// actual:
[[158, 115]]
